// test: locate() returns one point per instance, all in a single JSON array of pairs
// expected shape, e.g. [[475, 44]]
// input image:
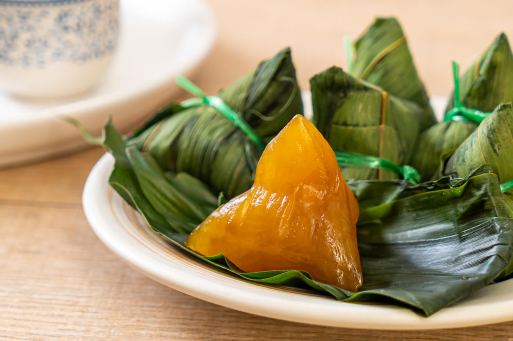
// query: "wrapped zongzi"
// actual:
[[299, 214], [382, 57], [491, 143], [356, 116], [202, 142], [487, 83]]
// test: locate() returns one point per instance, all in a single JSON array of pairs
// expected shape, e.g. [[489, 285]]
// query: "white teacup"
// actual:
[[56, 48]]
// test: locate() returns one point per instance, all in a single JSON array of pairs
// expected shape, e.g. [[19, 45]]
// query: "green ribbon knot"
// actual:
[[352, 159], [218, 104], [460, 112]]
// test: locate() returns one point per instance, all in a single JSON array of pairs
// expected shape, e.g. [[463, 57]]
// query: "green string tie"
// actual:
[[348, 47], [351, 159], [506, 186], [460, 112], [218, 104]]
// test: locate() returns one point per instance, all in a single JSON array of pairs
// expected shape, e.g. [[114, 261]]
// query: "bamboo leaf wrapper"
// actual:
[[202, 142], [437, 141], [356, 116], [383, 58], [490, 144]]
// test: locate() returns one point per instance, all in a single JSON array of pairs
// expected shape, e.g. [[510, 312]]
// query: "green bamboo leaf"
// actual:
[[438, 140], [491, 144], [355, 116], [383, 58], [181, 199], [124, 181], [170, 203]]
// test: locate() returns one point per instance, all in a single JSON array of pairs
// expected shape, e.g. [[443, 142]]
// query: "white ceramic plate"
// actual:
[[126, 233], [158, 40]]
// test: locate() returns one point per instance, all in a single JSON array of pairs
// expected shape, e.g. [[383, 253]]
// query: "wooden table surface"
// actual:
[[58, 281]]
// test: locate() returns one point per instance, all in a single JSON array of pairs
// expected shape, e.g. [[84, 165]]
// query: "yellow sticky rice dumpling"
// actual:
[[298, 215]]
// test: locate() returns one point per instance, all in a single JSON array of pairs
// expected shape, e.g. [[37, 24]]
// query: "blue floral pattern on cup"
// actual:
[[32, 35]]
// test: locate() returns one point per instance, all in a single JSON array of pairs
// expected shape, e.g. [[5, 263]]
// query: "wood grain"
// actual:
[[58, 281]]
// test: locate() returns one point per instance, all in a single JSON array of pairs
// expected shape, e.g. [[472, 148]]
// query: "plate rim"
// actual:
[[330, 313]]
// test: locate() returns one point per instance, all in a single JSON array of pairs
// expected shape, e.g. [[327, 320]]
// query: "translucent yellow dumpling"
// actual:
[[299, 214]]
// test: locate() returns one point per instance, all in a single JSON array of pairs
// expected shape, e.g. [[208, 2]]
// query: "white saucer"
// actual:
[[159, 39]]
